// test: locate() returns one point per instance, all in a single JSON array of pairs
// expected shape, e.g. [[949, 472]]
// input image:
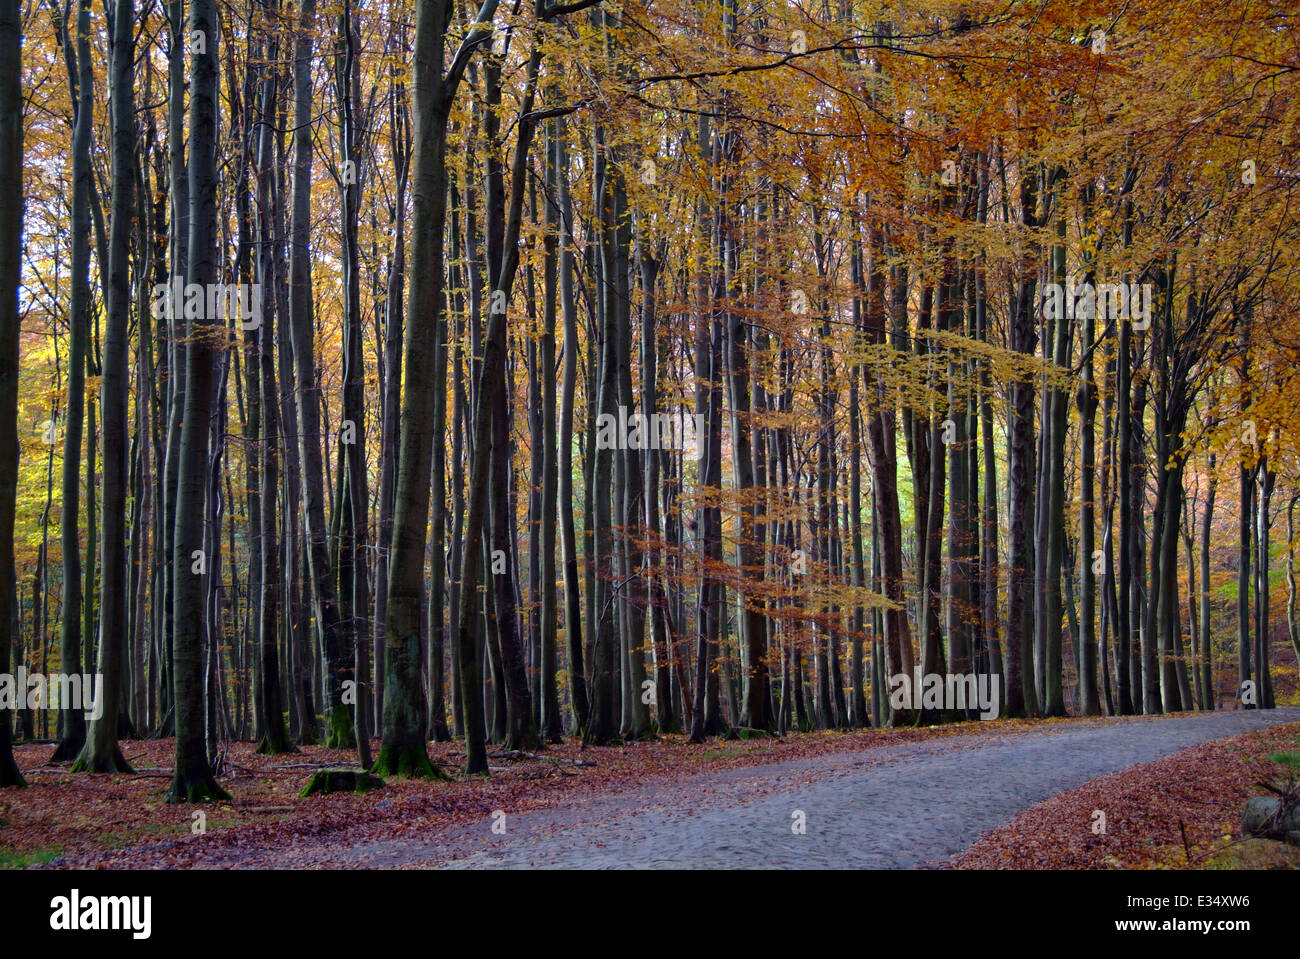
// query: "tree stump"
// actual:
[[1265, 816], [325, 781]]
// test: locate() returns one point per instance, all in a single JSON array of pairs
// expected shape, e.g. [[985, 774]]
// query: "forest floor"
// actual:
[[870, 798]]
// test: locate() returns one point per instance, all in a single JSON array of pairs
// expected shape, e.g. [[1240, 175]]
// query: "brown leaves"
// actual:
[[1182, 811], [122, 821]]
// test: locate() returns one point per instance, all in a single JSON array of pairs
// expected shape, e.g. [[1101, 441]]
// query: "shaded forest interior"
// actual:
[[399, 371]]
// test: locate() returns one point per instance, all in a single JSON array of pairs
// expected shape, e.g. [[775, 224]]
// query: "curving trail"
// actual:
[[910, 807]]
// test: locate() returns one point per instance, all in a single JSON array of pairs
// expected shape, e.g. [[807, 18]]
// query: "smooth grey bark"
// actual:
[[881, 430], [72, 722], [1022, 697], [1054, 472], [1292, 619], [604, 722], [503, 229], [178, 257], [754, 709], [857, 698], [391, 376], [1206, 651], [324, 598], [101, 753], [550, 723], [405, 719], [1246, 484], [354, 581], [275, 736], [193, 780], [1125, 677], [11, 229], [1263, 630], [579, 703], [1089, 702]]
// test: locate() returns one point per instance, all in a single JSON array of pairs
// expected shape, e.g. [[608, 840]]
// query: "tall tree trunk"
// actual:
[[1246, 480], [101, 753], [193, 780], [1263, 630], [1089, 703], [1128, 701], [1207, 653], [1054, 471], [391, 373], [72, 722], [881, 430], [275, 737], [178, 222], [1292, 619], [354, 563], [339, 668], [405, 715], [1022, 697], [857, 699], [578, 701], [550, 723], [11, 231]]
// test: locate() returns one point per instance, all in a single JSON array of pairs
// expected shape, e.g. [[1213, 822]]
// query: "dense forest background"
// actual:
[[410, 370]]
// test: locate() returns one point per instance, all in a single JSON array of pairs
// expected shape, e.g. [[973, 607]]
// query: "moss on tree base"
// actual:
[[68, 749], [525, 739], [325, 781], [411, 761], [89, 762], [204, 789], [275, 745], [339, 731]]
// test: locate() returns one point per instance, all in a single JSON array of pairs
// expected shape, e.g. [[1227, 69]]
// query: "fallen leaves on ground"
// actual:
[[123, 821], [1182, 811]]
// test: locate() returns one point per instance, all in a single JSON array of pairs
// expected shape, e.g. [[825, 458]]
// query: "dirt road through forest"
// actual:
[[905, 807]]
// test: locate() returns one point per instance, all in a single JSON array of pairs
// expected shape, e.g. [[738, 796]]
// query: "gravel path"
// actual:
[[908, 807]]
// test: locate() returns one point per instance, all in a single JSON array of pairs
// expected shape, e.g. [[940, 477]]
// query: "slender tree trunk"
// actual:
[[391, 374], [1089, 703], [1292, 619], [275, 737], [1263, 630], [881, 430], [1054, 517], [101, 753], [193, 780], [550, 724], [354, 563], [1207, 653], [11, 230], [1244, 674], [72, 722], [578, 701], [339, 668], [405, 715], [1022, 698]]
